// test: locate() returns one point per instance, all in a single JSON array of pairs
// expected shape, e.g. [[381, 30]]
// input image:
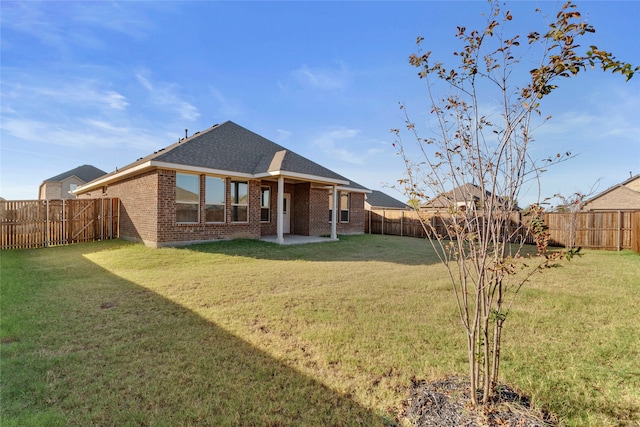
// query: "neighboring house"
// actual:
[[62, 185], [228, 182], [379, 200], [624, 196], [465, 197]]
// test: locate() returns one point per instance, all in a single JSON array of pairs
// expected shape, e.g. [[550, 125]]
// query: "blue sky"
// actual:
[[105, 83]]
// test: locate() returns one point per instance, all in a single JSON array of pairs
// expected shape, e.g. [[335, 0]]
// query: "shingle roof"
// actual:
[[230, 147], [379, 199], [464, 193], [610, 189], [85, 172]]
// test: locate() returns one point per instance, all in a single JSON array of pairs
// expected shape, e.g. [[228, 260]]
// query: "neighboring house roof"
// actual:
[[378, 199], [628, 189], [466, 192], [85, 172], [230, 149]]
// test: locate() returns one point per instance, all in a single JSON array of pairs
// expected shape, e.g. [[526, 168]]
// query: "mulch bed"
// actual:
[[445, 403]]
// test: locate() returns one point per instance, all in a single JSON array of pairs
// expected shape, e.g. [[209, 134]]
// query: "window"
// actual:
[[265, 203], [330, 206], [187, 198], [239, 201], [344, 206], [214, 199]]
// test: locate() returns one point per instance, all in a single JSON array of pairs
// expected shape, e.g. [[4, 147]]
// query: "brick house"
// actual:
[[465, 197], [227, 182], [620, 197], [62, 185]]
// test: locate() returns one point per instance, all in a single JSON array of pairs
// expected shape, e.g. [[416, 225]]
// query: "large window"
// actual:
[[239, 201], [187, 198], [265, 203], [214, 199]]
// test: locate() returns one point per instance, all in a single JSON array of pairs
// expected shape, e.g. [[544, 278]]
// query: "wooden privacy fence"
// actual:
[[407, 223], [43, 223], [596, 230]]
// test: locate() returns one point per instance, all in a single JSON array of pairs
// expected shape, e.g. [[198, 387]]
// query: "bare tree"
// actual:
[[571, 206], [471, 167]]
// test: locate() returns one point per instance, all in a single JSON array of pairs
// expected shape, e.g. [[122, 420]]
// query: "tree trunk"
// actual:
[[473, 370]]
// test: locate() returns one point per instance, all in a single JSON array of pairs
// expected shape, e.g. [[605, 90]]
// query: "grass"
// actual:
[[251, 333]]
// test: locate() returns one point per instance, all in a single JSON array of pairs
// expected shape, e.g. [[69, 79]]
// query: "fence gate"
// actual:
[[42, 223]]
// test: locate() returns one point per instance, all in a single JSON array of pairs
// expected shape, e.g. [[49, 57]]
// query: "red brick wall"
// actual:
[[319, 224], [357, 216], [138, 205], [171, 233], [300, 209]]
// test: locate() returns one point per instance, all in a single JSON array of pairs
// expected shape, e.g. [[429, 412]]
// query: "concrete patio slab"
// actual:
[[293, 239]]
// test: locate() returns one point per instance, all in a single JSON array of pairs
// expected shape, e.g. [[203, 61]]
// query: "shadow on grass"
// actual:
[[365, 247], [91, 348]]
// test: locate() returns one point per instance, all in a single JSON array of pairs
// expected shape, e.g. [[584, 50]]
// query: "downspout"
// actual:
[[280, 222]]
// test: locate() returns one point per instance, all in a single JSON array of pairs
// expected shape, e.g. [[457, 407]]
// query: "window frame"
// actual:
[[235, 201], [341, 212], [344, 197], [265, 207], [188, 202], [208, 179]]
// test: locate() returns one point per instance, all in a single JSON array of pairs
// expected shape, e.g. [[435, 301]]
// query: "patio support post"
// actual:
[[280, 225], [334, 214]]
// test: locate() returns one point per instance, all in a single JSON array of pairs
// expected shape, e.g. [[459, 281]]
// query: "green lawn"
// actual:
[[251, 333]]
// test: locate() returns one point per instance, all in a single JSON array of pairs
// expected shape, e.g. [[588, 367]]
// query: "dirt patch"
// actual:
[[8, 340], [107, 305], [445, 403]]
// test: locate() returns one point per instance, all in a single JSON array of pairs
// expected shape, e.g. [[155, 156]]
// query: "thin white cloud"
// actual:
[[117, 17], [166, 95], [283, 135], [65, 25], [144, 82], [323, 79], [83, 93], [115, 100], [342, 144], [81, 134], [224, 106]]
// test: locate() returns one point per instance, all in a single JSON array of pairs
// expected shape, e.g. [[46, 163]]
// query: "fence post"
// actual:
[[619, 230], [401, 222], [47, 232], [64, 228]]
